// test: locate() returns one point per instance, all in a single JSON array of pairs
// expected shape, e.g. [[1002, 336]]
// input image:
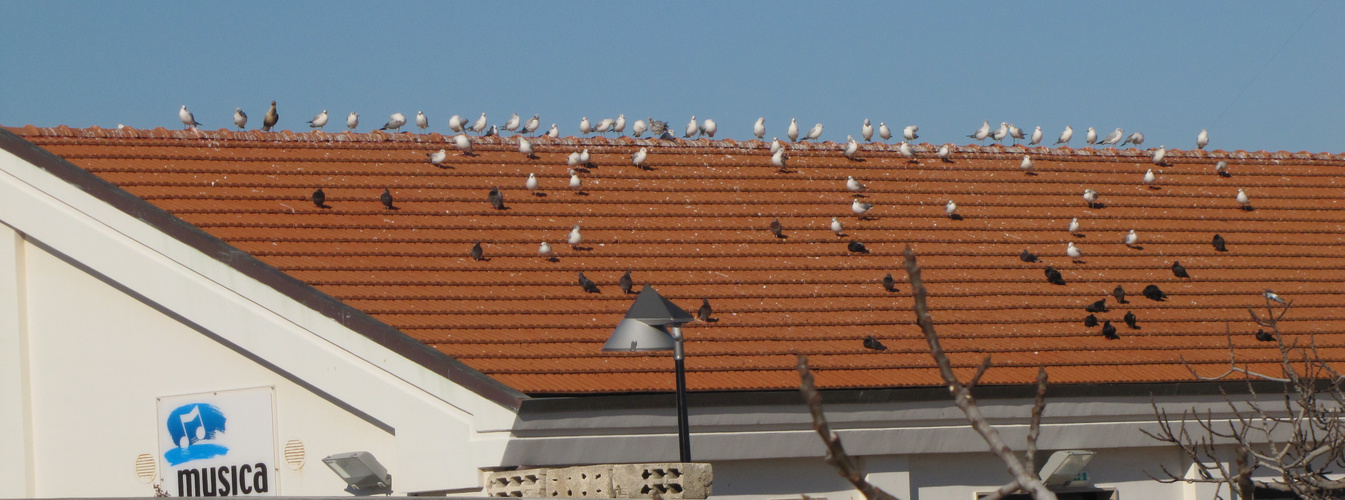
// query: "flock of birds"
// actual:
[[708, 128]]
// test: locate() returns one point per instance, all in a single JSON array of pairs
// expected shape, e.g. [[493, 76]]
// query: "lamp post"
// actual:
[[646, 327]]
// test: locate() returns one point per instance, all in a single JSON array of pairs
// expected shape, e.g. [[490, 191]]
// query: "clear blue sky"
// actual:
[[1165, 68]]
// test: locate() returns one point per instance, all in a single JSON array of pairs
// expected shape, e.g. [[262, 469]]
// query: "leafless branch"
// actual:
[[836, 455]]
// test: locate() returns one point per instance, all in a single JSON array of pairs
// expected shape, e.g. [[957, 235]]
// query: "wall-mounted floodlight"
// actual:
[[1063, 465], [360, 470], [654, 323]]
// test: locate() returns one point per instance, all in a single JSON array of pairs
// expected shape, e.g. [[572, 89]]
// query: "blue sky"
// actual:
[[1167, 69]]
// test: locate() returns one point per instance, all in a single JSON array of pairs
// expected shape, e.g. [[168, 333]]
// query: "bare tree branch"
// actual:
[[836, 455]]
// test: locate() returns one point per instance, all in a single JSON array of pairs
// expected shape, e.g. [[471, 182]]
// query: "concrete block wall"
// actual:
[[672, 480]]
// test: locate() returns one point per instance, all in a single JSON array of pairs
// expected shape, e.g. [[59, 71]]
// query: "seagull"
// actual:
[[1090, 137], [573, 159], [492, 131], [584, 156], [866, 130], [1027, 256], [1244, 200], [981, 133], [531, 125], [620, 126], [531, 183], [1135, 138], [1159, 154], [422, 121], [575, 238], [480, 124], [1026, 165], [1073, 252], [496, 198], [857, 247], [908, 133], [1113, 137], [814, 133], [1120, 294], [240, 118], [525, 147], [1130, 320], [464, 143], [477, 254], [640, 158], [544, 250], [851, 147], [759, 128], [775, 145], [777, 229], [319, 197], [1131, 239], [271, 118], [575, 183], [946, 153], [1219, 244], [1001, 132], [1090, 196], [604, 125], [395, 121], [438, 157], [512, 123], [657, 128], [554, 132], [705, 311], [854, 185], [1153, 293], [883, 131], [1074, 226], [778, 159], [836, 227], [352, 121], [1221, 168], [1263, 336], [1097, 307], [889, 284], [1065, 136], [1036, 137], [1015, 132], [639, 128], [874, 344], [708, 127], [457, 124], [1269, 295], [1178, 270], [386, 198], [1202, 139], [860, 208], [1090, 321], [951, 209], [1109, 332], [793, 130], [625, 283], [188, 121], [691, 129], [1053, 276], [318, 121], [906, 151]]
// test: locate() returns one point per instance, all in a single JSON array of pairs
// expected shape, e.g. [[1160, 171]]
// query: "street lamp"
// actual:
[[646, 328]]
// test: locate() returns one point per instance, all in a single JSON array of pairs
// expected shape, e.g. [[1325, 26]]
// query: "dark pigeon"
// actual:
[[1097, 307], [1219, 244], [872, 343], [1053, 276], [1265, 336], [1130, 320], [476, 251], [319, 198], [625, 283], [1153, 293], [587, 284], [889, 284], [496, 198], [271, 118], [1109, 331], [704, 312], [1178, 270], [777, 229], [1090, 321], [386, 198], [1027, 256], [1120, 295], [857, 247]]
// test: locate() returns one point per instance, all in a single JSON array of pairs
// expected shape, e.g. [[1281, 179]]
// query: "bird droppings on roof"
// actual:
[[692, 226]]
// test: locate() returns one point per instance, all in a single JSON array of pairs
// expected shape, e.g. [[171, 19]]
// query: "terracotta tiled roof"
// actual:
[[696, 226]]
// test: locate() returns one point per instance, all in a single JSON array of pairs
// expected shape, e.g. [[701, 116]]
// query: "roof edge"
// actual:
[[243, 262]]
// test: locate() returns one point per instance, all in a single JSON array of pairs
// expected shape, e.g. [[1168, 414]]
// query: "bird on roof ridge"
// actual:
[[860, 208], [814, 133], [883, 131], [775, 145], [1016, 133], [352, 121], [620, 125], [1066, 136], [657, 127], [866, 130], [575, 238], [837, 227], [457, 124], [759, 128], [1090, 137], [395, 121], [480, 124], [492, 131], [532, 183], [554, 132], [1000, 133], [422, 121], [512, 123], [1073, 251], [531, 125], [188, 120], [946, 153], [793, 131], [318, 121], [604, 125], [851, 147], [1135, 138], [271, 118], [240, 118], [1159, 155], [708, 127], [1113, 137], [909, 133], [981, 133], [1202, 139], [691, 129], [639, 127], [1036, 136]]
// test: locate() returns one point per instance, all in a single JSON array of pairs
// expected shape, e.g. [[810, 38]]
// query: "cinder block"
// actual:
[[672, 480], [517, 483], [593, 481]]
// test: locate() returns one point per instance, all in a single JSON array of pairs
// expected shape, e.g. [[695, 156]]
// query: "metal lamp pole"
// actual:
[[683, 428]]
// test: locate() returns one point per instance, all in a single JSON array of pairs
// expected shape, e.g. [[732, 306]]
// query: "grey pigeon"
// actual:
[[1109, 331], [1053, 276], [1178, 270], [1153, 293], [889, 284], [1027, 256], [587, 284], [386, 198], [857, 247], [271, 118], [319, 197], [625, 283], [1120, 294], [1219, 244], [1264, 336], [477, 254], [777, 229], [1097, 307], [874, 344], [1130, 320], [705, 311], [1090, 321], [496, 198]]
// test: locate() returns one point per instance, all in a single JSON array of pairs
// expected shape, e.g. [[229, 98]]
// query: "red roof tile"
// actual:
[[696, 226]]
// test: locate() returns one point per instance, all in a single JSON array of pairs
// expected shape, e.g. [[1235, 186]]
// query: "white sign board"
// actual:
[[218, 443]]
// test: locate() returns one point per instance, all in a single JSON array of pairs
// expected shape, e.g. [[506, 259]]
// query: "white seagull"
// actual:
[[1073, 252], [512, 123], [1202, 139], [1026, 165], [793, 130], [778, 158], [866, 130], [1074, 226], [576, 183], [1015, 132], [353, 121], [1159, 154], [759, 128], [945, 152], [575, 238], [836, 226], [814, 133], [1135, 138], [457, 124], [981, 133], [525, 147], [241, 118], [1066, 135], [950, 209], [438, 157], [1221, 168], [584, 156], [1150, 178], [775, 145], [1090, 196], [1001, 132], [691, 129], [395, 121], [1243, 199], [463, 143], [532, 183], [421, 120], [554, 132], [860, 208], [532, 124], [909, 132], [318, 121], [906, 150], [853, 185], [1113, 137], [640, 158], [544, 250], [1131, 239], [480, 124], [188, 120], [604, 125], [883, 131], [708, 127], [620, 126], [1090, 137], [851, 147], [573, 159], [1036, 137], [639, 128]]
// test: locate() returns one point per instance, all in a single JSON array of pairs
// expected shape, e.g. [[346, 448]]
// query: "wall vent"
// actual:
[[146, 468], [294, 454]]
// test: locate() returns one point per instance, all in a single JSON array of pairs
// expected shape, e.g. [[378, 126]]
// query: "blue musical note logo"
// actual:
[[191, 424]]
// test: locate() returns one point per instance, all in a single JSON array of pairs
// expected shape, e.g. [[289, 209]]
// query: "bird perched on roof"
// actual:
[[851, 147], [946, 153], [1119, 294], [319, 197], [240, 118], [1244, 200], [386, 198], [950, 209], [477, 253], [1089, 321], [1113, 137], [394, 122], [639, 128], [512, 123], [705, 311], [854, 185], [620, 125], [1160, 154], [1221, 169], [691, 129], [532, 183], [1066, 135], [584, 157], [480, 124], [1015, 132], [657, 127], [866, 130], [422, 121], [1219, 244], [1130, 239], [708, 128], [1269, 295], [573, 159], [857, 247], [873, 344], [531, 125], [1150, 178], [778, 159], [1027, 256], [1090, 196], [1130, 320], [496, 198], [1135, 138], [1000, 133], [905, 149], [889, 284], [544, 250], [188, 120], [1026, 165], [1090, 137], [981, 133], [457, 124], [908, 133], [525, 147], [1053, 276], [575, 237], [1097, 307], [793, 131], [625, 283], [464, 143], [271, 118], [1178, 270], [437, 157], [814, 133], [604, 125], [576, 183], [837, 227], [352, 121], [1152, 292], [1202, 139], [492, 131], [587, 284], [860, 208], [883, 131], [554, 132], [1074, 226], [777, 229], [1264, 336], [640, 158], [1073, 252], [1036, 136], [1109, 331], [759, 128]]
